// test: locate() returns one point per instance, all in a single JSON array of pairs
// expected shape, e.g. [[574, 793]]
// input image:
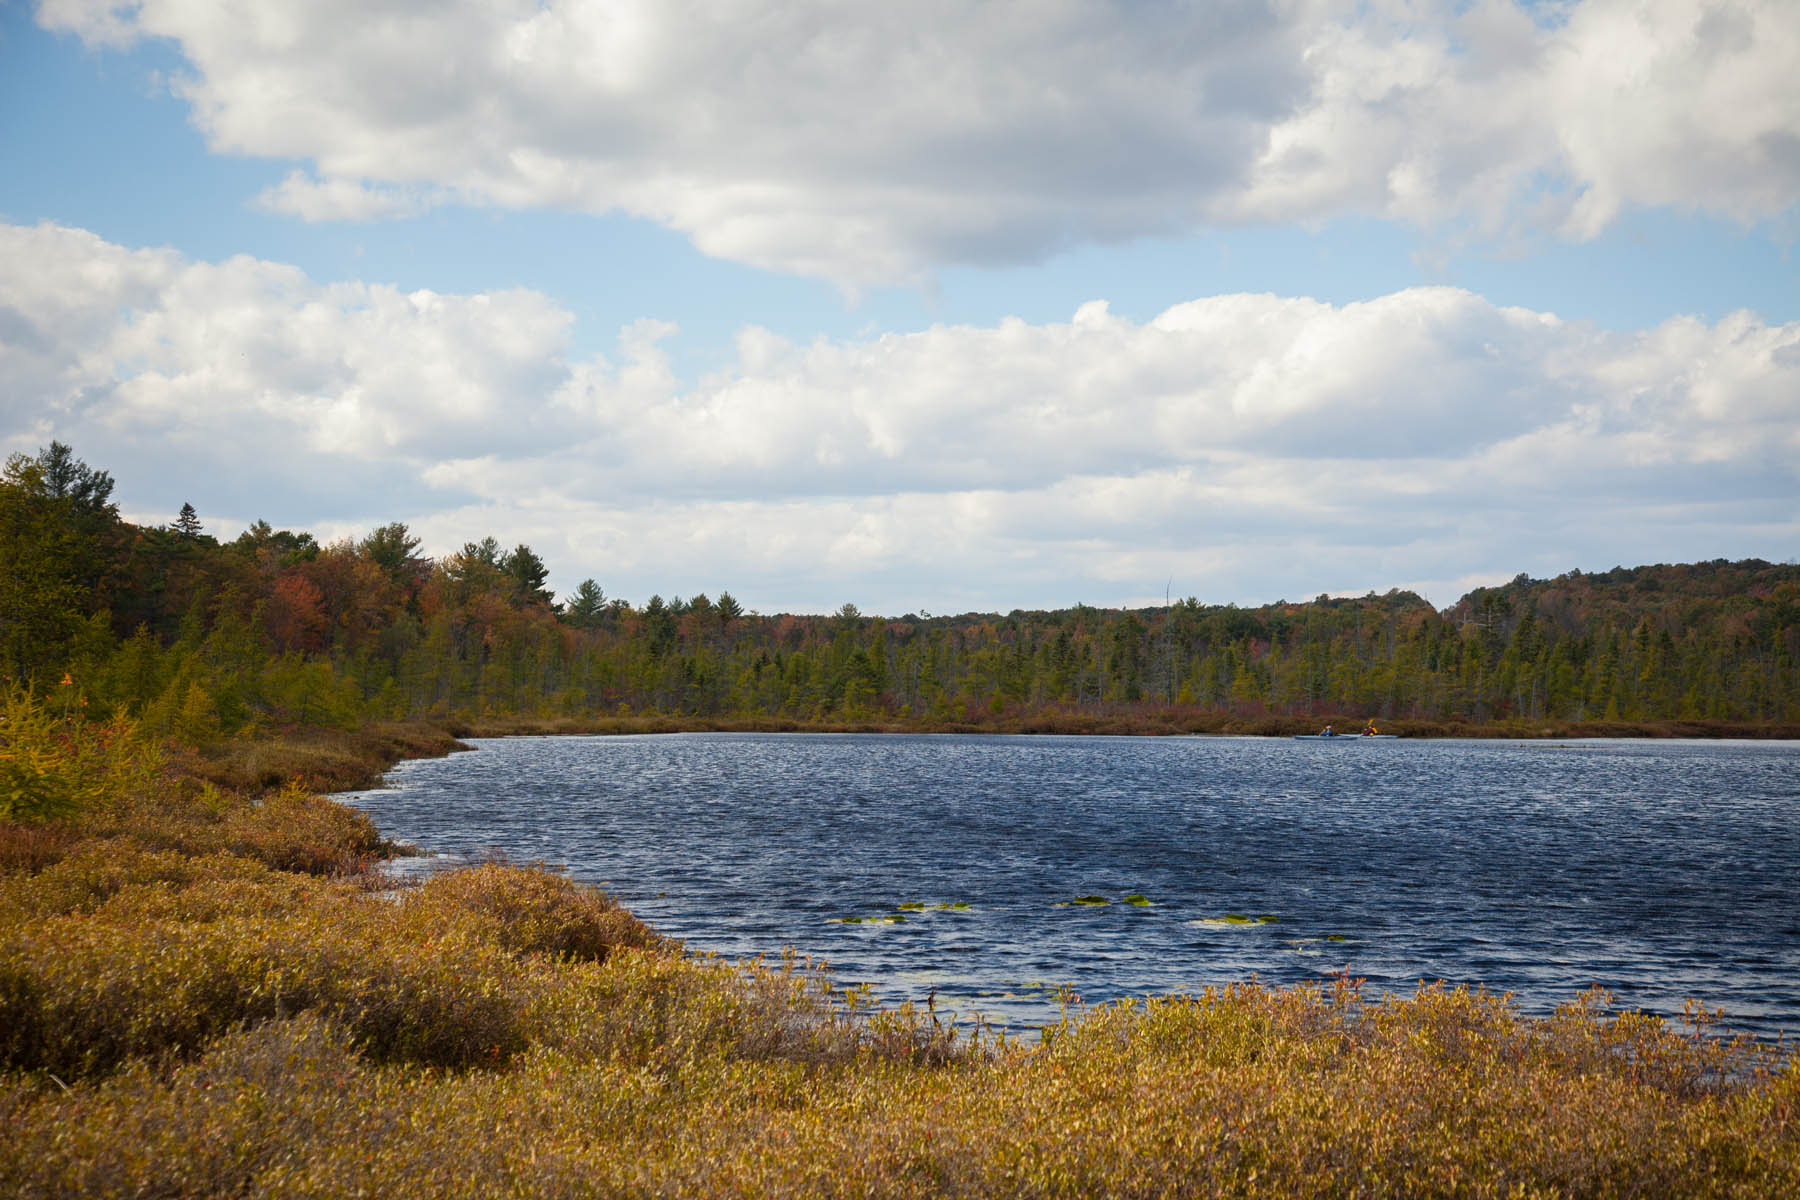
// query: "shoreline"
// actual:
[[343, 760]]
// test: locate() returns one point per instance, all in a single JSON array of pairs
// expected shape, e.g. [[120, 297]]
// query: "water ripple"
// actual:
[[1660, 870]]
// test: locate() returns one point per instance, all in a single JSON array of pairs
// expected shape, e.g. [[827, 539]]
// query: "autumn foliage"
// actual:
[[207, 641]]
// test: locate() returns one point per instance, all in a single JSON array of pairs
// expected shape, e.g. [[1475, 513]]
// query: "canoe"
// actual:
[[1345, 737]]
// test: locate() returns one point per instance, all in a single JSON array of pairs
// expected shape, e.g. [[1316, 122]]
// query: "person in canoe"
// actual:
[[1369, 730], [1326, 732]]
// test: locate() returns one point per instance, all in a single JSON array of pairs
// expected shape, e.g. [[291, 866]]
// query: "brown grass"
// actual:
[[1121, 720], [322, 759], [1239, 1092]]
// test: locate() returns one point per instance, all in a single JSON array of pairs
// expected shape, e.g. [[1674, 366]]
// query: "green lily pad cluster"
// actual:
[[1136, 900], [1235, 918], [899, 917]]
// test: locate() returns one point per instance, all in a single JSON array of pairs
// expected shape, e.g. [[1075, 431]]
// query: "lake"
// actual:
[[1662, 870]]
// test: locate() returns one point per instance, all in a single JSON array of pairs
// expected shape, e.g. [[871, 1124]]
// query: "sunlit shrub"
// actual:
[[54, 763], [81, 994], [1240, 1092], [91, 874], [208, 1128], [531, 911], [656, 1074], [295, 830]]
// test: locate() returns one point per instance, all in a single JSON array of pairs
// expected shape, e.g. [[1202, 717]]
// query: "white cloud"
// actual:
[[1251, 445], [310, 199], [873, 143]]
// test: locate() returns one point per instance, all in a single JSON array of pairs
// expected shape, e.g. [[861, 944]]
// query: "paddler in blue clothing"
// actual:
[[1328, 732]]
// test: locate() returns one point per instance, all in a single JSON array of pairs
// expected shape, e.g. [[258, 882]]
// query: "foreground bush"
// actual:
[[532, 911], [54, 763], [156, 970], [1244, 1091], [117, 952]]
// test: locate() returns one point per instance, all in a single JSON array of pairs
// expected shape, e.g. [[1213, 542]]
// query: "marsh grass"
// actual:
[[322, 759], [203, 993]]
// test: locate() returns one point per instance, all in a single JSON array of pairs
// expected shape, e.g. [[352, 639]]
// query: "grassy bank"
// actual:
[[1151, 721], [1148, 720], [205, 991]]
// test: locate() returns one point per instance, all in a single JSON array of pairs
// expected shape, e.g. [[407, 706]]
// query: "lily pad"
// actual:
[[1336, 937], [912, 906], [1137, 900], [1093, 901]]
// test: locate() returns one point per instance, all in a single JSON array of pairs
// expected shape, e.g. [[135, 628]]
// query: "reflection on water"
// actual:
[[1661, 870]]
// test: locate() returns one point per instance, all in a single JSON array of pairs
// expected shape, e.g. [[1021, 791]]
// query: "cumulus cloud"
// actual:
[[873, 143], [1252, 445]]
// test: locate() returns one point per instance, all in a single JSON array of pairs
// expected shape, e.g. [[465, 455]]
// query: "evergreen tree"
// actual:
[[391, 548], [188, 523], [66, 477], [528, 574], [587, 605], [276, 547], [60, 539], [659, 625], [486, 552]]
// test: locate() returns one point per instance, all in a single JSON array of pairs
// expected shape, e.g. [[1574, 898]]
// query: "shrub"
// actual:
[[294, 830], [531, 911], [26, 848], [91, 874], [56, 764], [208, 1128], [80, 995]]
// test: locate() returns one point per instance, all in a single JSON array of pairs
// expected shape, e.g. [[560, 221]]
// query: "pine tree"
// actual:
[[586, 605], [528, 574], [188, 523], [392, 549]]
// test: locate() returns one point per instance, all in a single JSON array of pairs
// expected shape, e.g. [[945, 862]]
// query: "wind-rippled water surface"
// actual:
[[1660, 870]]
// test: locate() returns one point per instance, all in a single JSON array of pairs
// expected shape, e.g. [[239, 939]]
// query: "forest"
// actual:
[[203, 639]]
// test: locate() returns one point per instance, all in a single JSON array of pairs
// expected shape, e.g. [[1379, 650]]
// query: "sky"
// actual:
[[936, 307]]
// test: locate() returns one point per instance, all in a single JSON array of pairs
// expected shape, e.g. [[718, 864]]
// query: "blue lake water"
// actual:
[[1662, 870]]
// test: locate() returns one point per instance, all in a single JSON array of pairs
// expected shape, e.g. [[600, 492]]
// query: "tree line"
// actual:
[[206, 638]]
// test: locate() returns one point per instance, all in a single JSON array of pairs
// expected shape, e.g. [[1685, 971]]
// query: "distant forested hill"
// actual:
[[207, 639]]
